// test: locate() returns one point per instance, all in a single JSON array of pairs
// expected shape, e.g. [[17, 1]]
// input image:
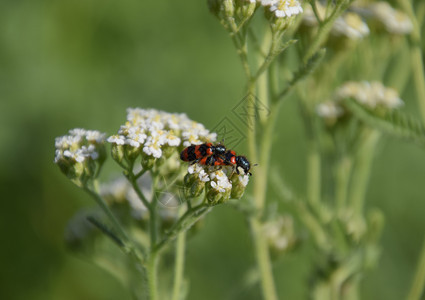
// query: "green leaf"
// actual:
[[395, 123]]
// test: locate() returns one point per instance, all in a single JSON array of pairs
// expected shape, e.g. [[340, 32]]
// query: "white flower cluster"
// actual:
[[394, 20], [282, 8], [329, 110], [79, 145], [279, 232], [371, 94], [219, 179], [150, 130], [220, 182], [350, 25], [353, 26], [200, 171]]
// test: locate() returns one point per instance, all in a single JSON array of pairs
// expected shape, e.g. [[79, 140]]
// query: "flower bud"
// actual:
[[219, 188], [193, 186], [281, 13], [239, 183], [167, 151], [217, 196], [148, 162], [215, 7], [117, 152]]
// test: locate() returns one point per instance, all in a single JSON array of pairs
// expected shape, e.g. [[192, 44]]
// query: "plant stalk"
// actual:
[[99, 200], [342, 181], [179, 265], [362, 171], [263, 260], [417, 288], [152, 272]]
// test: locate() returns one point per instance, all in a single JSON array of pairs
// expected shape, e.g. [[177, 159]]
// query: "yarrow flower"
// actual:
[[283, 8], [373, 95], [79, 145], [220, 183], [279, 233], [329, 110], [80, 153], [199, 171], [350, 25], [150, 132], [394, 21]]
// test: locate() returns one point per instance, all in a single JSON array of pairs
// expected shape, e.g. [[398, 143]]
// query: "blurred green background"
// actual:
[[81, 63]]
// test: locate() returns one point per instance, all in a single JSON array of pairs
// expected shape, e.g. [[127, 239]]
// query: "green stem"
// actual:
[[417, 288], [152, 272], [260, 189], [324, 29], [184, 223], [419, 78], [153, 222], [313, 174], [255, 43], [251, 119], [315, 11], [418, 283], [342, 180], [416, 56], [242, 50], [314, 226], [362, 171], [152, 265], [179, 265], [263, 260], [99, 200], [274, 51], [133, 181]]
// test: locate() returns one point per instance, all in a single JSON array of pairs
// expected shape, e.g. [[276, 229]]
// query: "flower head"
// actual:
[[279, 233], [350, 25], [80, 154], [151, 134], [284, 8], [219, 182], [373, 95], [370, 94], [330, 111], [393, 20]]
